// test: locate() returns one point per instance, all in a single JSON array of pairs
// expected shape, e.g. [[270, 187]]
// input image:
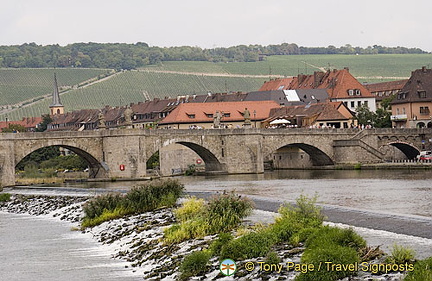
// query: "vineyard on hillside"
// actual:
[[136, 86], [170, 79], [369, 68], [20, 85]]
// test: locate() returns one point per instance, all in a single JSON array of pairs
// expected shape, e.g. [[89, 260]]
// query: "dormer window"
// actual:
[[191, 115], [422, 94], [227, 114]]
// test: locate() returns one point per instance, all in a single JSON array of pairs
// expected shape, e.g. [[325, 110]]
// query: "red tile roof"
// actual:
[[276, 84], [202, 112], [323, 112], [337, 82], [27, 122]]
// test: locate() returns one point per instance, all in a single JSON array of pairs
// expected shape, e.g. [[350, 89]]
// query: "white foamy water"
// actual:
[[44, 248]]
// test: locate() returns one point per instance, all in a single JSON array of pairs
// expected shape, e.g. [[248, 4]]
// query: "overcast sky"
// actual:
[[221, 23]]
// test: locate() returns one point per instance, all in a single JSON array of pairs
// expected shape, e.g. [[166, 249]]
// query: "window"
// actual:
[[357, 92], [358, 103], [366, 103], [227, 114], [424, 109], [397, 111], [191, 116], [209, 115], [422, 94], [352, 104], [351, 92]]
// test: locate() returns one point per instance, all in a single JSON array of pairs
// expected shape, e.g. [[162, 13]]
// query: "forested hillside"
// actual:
[[131, 56]]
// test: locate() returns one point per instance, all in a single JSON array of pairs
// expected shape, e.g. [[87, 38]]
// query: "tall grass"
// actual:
[[222, 213], [139, 199]]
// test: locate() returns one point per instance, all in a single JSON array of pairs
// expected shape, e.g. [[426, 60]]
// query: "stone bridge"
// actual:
[[123, 153]]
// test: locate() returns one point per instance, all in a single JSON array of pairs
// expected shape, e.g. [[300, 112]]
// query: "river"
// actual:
[[44, 248]]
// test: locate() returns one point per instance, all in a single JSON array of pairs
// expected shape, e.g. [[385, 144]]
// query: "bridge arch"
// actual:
[[317, 157], [212, 164], [408, 149], [179, 154], [96, 168]]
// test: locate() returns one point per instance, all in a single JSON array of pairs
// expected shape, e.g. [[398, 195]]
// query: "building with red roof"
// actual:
[[202, 115], [29, 123], [339, 84]]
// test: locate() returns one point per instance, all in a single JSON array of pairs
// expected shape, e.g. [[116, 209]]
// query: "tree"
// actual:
[[378, 119], [46, 119], [14, 128], [364, 115]]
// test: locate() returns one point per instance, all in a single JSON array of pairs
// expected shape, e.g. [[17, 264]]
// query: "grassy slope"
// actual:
[[17, 85], [129, 86]]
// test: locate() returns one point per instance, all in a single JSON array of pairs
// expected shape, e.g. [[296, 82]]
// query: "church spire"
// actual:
[[56, 107]]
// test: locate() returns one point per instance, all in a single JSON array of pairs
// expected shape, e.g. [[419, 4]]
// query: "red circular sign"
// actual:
[[198, 161], [122, 167]]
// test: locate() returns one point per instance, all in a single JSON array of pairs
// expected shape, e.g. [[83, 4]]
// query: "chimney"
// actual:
[[424, 69], [301, 78], [346, 68], [318, 76]]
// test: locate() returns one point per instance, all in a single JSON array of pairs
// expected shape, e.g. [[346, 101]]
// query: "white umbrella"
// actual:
[[279, 121]]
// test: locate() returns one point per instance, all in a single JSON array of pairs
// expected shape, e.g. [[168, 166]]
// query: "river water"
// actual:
[[45, 248]]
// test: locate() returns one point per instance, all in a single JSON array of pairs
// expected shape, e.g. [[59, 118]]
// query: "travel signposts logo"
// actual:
[[227, 267]]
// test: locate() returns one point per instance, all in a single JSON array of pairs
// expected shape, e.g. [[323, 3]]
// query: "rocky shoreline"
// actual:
[[137, 240]]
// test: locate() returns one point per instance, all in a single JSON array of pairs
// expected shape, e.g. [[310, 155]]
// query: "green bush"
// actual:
[[185, 230], [143, 198], [325, 259], [422, 271], [105, 216], [251, 245], [329, 236], [190, 209], [226, 211], [302, 235], [96, 206], [194, 264], [272, 258], [293, 219], [4, 197], [222, 240], [221, 214], [305, 211], [401, 255]]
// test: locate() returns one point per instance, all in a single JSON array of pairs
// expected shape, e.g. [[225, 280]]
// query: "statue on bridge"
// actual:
[[247, 119], [127, 114], [217, 119], [101, 120]]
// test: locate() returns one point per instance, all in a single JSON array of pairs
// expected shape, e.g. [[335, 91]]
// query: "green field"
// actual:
[[18, 85], [370, 66]]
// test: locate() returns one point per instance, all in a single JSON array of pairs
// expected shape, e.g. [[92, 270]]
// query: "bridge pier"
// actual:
[[7, 164]]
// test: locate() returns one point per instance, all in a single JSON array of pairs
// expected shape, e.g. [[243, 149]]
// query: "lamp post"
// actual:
[[254, 113]]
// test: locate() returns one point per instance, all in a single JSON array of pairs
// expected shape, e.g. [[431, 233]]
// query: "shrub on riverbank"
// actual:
[[401, 255], [422, 271], [4, 197], [194, 264], [142, 198], [336, 247], [196, 219]]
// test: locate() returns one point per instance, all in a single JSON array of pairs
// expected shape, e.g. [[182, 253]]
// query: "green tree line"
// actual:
[[130, 56]]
